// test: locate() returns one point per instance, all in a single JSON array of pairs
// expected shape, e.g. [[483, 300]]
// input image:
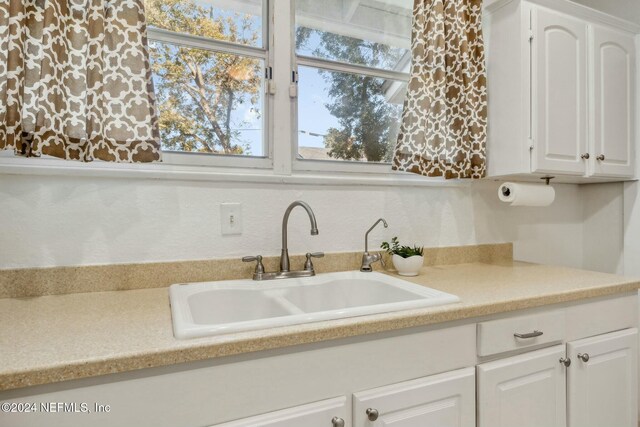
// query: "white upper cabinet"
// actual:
[[614, 69], [561, 91]]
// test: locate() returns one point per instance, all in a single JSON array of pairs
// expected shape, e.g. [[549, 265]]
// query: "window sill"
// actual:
[[158, 171]]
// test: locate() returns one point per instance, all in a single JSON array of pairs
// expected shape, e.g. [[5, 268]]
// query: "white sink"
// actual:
[[213, 308]]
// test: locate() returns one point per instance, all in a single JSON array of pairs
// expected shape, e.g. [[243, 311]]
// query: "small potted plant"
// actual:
[[406, 259]]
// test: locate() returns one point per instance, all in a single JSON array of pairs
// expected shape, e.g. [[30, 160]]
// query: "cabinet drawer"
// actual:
[[499, 336], [600, 317]]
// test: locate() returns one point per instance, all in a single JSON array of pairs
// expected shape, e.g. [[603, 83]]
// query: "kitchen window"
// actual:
[[210, 62], [353, 59], [212, 65]]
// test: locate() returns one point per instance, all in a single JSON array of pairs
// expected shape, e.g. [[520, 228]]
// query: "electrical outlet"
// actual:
[[231, 218]]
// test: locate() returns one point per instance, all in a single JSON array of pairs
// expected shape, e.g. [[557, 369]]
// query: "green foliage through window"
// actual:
[[208, 101], [368, 123]]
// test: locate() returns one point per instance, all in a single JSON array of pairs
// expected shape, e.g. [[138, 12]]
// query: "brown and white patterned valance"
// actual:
[[75, 80], [444, 124]]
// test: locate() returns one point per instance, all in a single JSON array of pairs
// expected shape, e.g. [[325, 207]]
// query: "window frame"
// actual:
[[277, 38], [341, 165], [264, 53], [345, 166]]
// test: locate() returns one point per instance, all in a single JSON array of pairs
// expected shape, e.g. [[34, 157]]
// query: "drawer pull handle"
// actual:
[[565, 361], [528, 335], [583, 356]]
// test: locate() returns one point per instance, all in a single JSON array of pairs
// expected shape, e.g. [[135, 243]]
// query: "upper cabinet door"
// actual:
[[444, 400], [613, 103], [603, 380], [525, 391], [559, 89]]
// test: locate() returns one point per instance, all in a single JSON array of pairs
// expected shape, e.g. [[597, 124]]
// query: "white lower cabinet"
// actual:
[[445, 400], [599, 387], [528, 390], [327, 413], [603, 380]]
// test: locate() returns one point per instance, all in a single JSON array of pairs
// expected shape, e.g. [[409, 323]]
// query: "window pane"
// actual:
[[235, 21], [209, 102], [343, 116], [372, 33]]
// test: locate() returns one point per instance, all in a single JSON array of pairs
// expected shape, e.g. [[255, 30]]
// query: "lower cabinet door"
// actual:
[[444, 400], [528, 390], [603, 380], [326, 413]]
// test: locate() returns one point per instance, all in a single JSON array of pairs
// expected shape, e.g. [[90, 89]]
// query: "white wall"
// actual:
[[632, 229], [552, 235], [625, 9], [603, 225], [50, 221]]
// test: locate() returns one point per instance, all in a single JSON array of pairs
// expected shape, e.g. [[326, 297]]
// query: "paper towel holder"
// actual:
[[548, 179]]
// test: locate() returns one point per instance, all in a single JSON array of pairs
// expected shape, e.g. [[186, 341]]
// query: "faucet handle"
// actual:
[[382, 261], [315, 255], [259, 266], [308, 265]]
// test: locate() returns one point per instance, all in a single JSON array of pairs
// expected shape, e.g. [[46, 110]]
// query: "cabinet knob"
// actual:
[[583, 356], [337, 422], [585, 156], [600, 157], [372, 414], [565, 361]]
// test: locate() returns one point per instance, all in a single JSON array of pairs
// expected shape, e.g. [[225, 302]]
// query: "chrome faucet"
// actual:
[[367, 258], [284, 254], [285, 273]]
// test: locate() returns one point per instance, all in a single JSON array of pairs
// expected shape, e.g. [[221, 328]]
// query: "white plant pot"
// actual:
[[408, 266]]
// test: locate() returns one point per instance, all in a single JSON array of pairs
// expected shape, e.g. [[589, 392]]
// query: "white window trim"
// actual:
[[14, 165], [177, 158], [261, 53], [327, 64]]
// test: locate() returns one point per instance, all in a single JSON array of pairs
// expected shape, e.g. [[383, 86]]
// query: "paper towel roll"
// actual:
[[526, 194]]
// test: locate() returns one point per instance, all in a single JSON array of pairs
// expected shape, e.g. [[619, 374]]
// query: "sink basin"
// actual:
[[213, 308]]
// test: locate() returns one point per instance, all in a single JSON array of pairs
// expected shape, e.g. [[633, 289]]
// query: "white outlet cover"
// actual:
[[231, 218]]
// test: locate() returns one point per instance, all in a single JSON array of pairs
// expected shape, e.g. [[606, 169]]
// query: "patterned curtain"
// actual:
[[444, 123], [75, 80]]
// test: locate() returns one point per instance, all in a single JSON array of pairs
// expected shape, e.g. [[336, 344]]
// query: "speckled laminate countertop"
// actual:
[[63, 337]]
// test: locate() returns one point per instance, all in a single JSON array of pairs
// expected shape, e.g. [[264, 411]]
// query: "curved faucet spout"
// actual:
[[284, 256], [367, 258], [366, 236]]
